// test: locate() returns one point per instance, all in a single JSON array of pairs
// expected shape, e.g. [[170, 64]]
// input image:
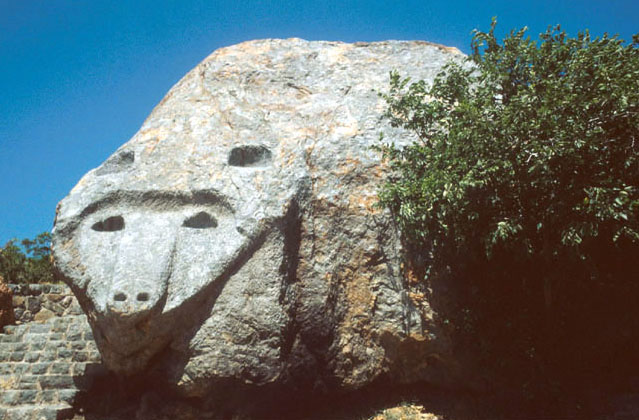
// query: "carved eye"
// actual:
[[111, 224], [117, 163], [201, 220], [247, 156]]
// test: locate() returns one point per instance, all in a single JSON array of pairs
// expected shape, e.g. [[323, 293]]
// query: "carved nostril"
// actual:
[[143, 297], [119, 297]]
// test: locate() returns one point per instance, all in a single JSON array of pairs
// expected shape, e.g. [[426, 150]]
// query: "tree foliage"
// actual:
[[533, 146], [523, 181], [27, 261]]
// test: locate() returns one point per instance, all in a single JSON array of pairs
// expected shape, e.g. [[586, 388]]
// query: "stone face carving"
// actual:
[[235, 237]]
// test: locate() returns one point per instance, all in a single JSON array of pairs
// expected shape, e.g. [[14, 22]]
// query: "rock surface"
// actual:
[[7, 316], [234, 241], [39, 302]]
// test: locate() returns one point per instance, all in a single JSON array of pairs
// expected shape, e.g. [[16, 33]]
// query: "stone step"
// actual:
[[75, 327], [44, 366], [45, 376], [61, 353], [18, 397], [36, 412]]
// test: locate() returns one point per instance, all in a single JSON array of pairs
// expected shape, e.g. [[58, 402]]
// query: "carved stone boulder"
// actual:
[[235, 238]]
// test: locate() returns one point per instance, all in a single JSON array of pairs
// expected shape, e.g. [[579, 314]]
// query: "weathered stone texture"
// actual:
[[45, 367], [7, 316], [40, 302], [235, 237]]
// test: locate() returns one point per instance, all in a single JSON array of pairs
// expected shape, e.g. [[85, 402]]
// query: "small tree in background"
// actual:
[[524, 181], [28, 263]]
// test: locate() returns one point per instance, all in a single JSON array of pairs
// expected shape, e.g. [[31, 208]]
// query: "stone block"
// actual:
[[48, 355], [78, 368], [32, 356], [56, 381], [27, 316], [77, 327], [37, 346], [33, 304], [68, 395], [94, 356], [60, 368], [9, 397], [55, 297], [73, 309], [80, 356], [32, 338], [10, 338], [78, 345], [56, 345], [8, 381], [20, 368], [27, 396], [53, 307], [9, 329], [44, 315], [40, 328], [58, 289], [35, 289], [19, 313], [39, 368], [16, 356], [18, 301], [21, 413], [60, 325], [56, 336], [67, 301], [28, 381], [6, 347], [74, 335], [65, 354], [48, 396], [20, 347], [6, 368]]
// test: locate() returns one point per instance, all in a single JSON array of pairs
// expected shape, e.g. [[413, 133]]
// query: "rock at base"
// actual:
[[7, 317]]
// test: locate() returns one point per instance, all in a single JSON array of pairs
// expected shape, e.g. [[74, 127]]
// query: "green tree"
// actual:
[[12, 261], [525, 177], [28, 263]]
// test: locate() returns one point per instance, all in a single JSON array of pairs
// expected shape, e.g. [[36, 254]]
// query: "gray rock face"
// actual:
[[235, 237]]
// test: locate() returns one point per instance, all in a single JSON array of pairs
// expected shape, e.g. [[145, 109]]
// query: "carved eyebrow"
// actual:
[[158, 200]]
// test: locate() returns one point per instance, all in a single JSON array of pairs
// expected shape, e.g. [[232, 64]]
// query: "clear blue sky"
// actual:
[[77, 78]]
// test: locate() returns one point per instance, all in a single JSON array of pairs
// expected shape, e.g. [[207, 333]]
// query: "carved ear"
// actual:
[[250, 156], [117, 163]]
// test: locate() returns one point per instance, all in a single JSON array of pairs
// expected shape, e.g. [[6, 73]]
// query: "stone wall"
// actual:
[[49, 359], [39, 302]]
